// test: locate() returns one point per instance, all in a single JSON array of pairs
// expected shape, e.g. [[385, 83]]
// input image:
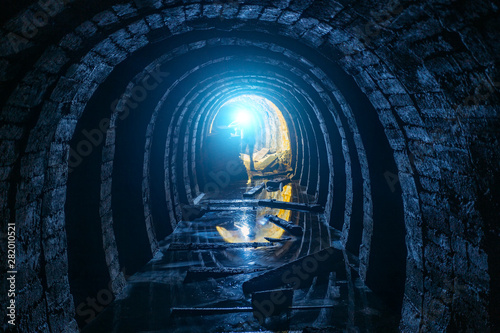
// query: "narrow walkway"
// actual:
[[161, 285]]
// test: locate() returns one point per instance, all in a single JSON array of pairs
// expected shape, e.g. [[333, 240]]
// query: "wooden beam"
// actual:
[[215, 246], [203, 273], [291, 228], [298, 272], [291, 205], [256, 189]]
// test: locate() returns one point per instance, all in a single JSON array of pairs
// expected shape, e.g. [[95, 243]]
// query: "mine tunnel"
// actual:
[[242, 166]]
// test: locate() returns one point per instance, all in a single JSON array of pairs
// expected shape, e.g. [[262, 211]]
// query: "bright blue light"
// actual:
[[245, 231], [243, 116]]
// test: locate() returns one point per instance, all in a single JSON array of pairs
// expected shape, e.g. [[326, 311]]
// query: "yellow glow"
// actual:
[[285, 137], [268, 229], [283, 147]]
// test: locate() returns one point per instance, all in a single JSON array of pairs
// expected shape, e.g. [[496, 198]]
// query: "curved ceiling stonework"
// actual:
[[392, 110]]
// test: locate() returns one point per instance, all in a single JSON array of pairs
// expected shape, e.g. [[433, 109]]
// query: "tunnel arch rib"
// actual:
[[313, 59]]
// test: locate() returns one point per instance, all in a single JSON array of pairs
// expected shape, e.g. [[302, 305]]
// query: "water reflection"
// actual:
[[252, 226]]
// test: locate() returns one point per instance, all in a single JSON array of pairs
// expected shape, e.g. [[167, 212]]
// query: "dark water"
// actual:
[[145, 305]]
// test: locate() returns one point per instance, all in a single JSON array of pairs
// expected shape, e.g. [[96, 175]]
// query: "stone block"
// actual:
[[391, 86], [378, 100], [288, 17], [230, 10], [106, 187], [106, 170], [65, 90], [11, 132], [155, 21], [129, 42], [108, 153], [249, 12], [434, 105], [52, 60], [387, 119], [32, 165], [56, 269], [53, 200], [110, 52], [71, 42], [324, 10], [65, 129], [148, 4], [212, 10], [125, 10], [409, 115], [193, 11], [270, 14], [395, 138], [105, 19], [86, 30], [138, 28], [13, 114], [30, 92]]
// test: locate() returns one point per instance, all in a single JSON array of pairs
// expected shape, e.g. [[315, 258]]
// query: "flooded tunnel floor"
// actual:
[[150, 294]]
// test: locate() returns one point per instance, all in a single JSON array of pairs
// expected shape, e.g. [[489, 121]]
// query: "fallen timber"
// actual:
[[277, 240], [240, 203], [192, 212], [280, 299], [297, 273], [258, 175], [216, 311], [230, 205], [256, 189], [272, 203], [203, 273], [277, 182], [214, 246], [289, 227]]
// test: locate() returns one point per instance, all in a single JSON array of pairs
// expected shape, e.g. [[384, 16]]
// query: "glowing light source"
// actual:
[[243, 116], [245, 231]]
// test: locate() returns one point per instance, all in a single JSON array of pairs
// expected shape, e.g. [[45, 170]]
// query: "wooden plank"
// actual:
[[270, 303], [256, 189], [214, 246], [208, 311], [238, 202], [214, 311], [293, 229], [277, 182], [203, 273], [260, 154], [266, 162], [259, 174], [291, 205], [298, 272], [192, 212], [277, 240]]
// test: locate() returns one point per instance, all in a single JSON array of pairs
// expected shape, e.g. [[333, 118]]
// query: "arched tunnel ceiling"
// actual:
[[390, 105]]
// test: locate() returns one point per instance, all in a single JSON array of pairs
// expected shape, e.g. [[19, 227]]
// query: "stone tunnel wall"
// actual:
[[430, 70]]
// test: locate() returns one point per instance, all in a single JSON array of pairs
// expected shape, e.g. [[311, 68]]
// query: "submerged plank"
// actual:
[[202, 273], [270, 303], [277, 240], [291, 205], [214, 311], [256, 189], [297, 273], [260, 154], [214, 246], [275, 184], [289, 227], [208, 311]]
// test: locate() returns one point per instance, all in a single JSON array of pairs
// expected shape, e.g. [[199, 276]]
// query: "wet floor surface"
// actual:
[[147, 302]]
